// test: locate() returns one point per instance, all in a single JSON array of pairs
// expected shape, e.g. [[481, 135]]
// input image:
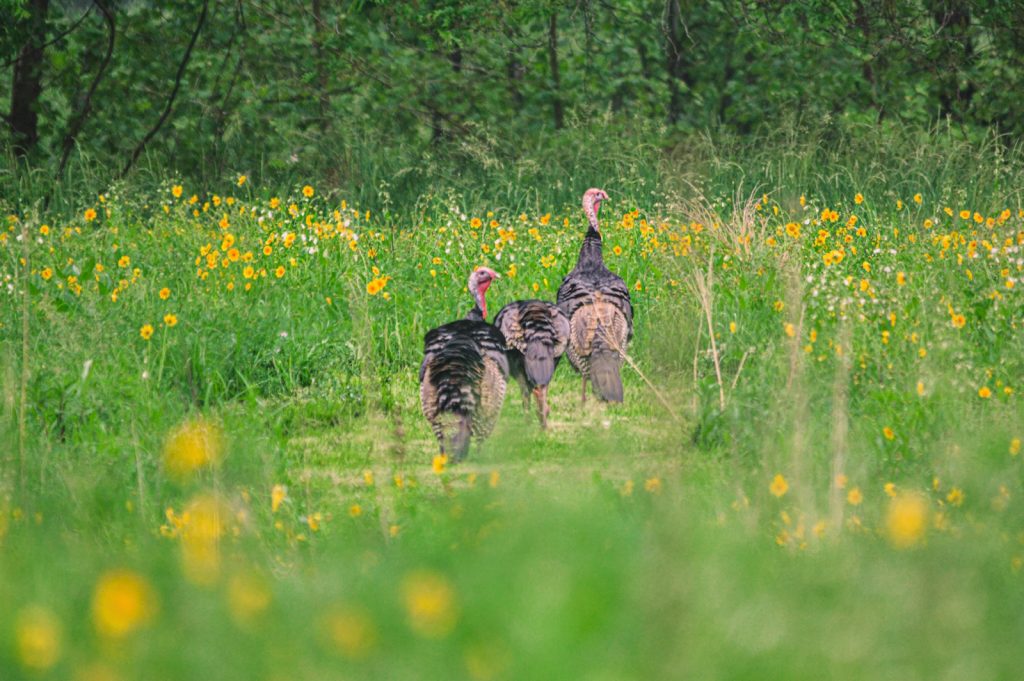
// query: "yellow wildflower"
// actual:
[[195, 444], [277, 496], [905, 520], [122, 602], [37, 638], [247, 597], [350, 631], [779, 486], [955, 496], [430, 604]]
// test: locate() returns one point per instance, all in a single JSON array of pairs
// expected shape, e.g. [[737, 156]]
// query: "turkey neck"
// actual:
[[590, 252], [476, 314]]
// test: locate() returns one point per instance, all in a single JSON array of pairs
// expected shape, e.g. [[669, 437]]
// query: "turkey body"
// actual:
[[600, 312], [536, 334], [463, 378]]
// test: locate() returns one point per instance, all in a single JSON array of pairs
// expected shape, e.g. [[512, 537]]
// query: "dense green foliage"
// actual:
[[360, 93]]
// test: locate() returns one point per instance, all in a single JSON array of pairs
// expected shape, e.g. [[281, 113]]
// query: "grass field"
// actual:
[[214, 464]]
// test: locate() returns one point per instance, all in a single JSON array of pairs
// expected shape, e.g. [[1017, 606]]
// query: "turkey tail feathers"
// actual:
[[599, 334], [450, 393], [458, 445], [537, 333], [540, 364], [606, 374]]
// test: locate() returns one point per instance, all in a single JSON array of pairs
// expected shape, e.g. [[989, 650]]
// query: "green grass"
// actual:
[[632, 541]]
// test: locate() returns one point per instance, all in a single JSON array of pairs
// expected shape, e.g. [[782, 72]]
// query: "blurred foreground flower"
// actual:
[[248, 596], [195, 444], [277, 496], [350, 631], [779, 486], [122, 602], [200, 538], [906, 520], [37, 638], [429, 603]]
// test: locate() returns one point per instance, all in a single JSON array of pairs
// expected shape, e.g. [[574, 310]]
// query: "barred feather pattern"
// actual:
[[597, 326], [537, 334], [492, 396], [462, 382], [600, 312]]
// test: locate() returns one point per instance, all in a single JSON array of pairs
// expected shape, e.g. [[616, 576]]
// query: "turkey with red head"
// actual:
[[596, 301], [464, 373], [536, 333]]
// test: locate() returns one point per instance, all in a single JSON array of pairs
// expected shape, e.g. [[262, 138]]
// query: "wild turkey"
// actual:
[[464, 373], [600, 313], [536, 333]]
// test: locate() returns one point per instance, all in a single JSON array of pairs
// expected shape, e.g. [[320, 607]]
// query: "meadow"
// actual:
[[214, 465]]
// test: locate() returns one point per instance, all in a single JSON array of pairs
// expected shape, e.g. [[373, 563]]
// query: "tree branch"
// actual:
[[174, 93], [51, 41], [78, 122]]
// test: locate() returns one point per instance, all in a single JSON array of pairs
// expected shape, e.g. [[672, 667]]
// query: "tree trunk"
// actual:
[[438, 116], [321, 67], [514, 71], [675, 65], [77, 121], [954, 20], [556, 98], [588, 46], [27, 85], [862, 20]]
